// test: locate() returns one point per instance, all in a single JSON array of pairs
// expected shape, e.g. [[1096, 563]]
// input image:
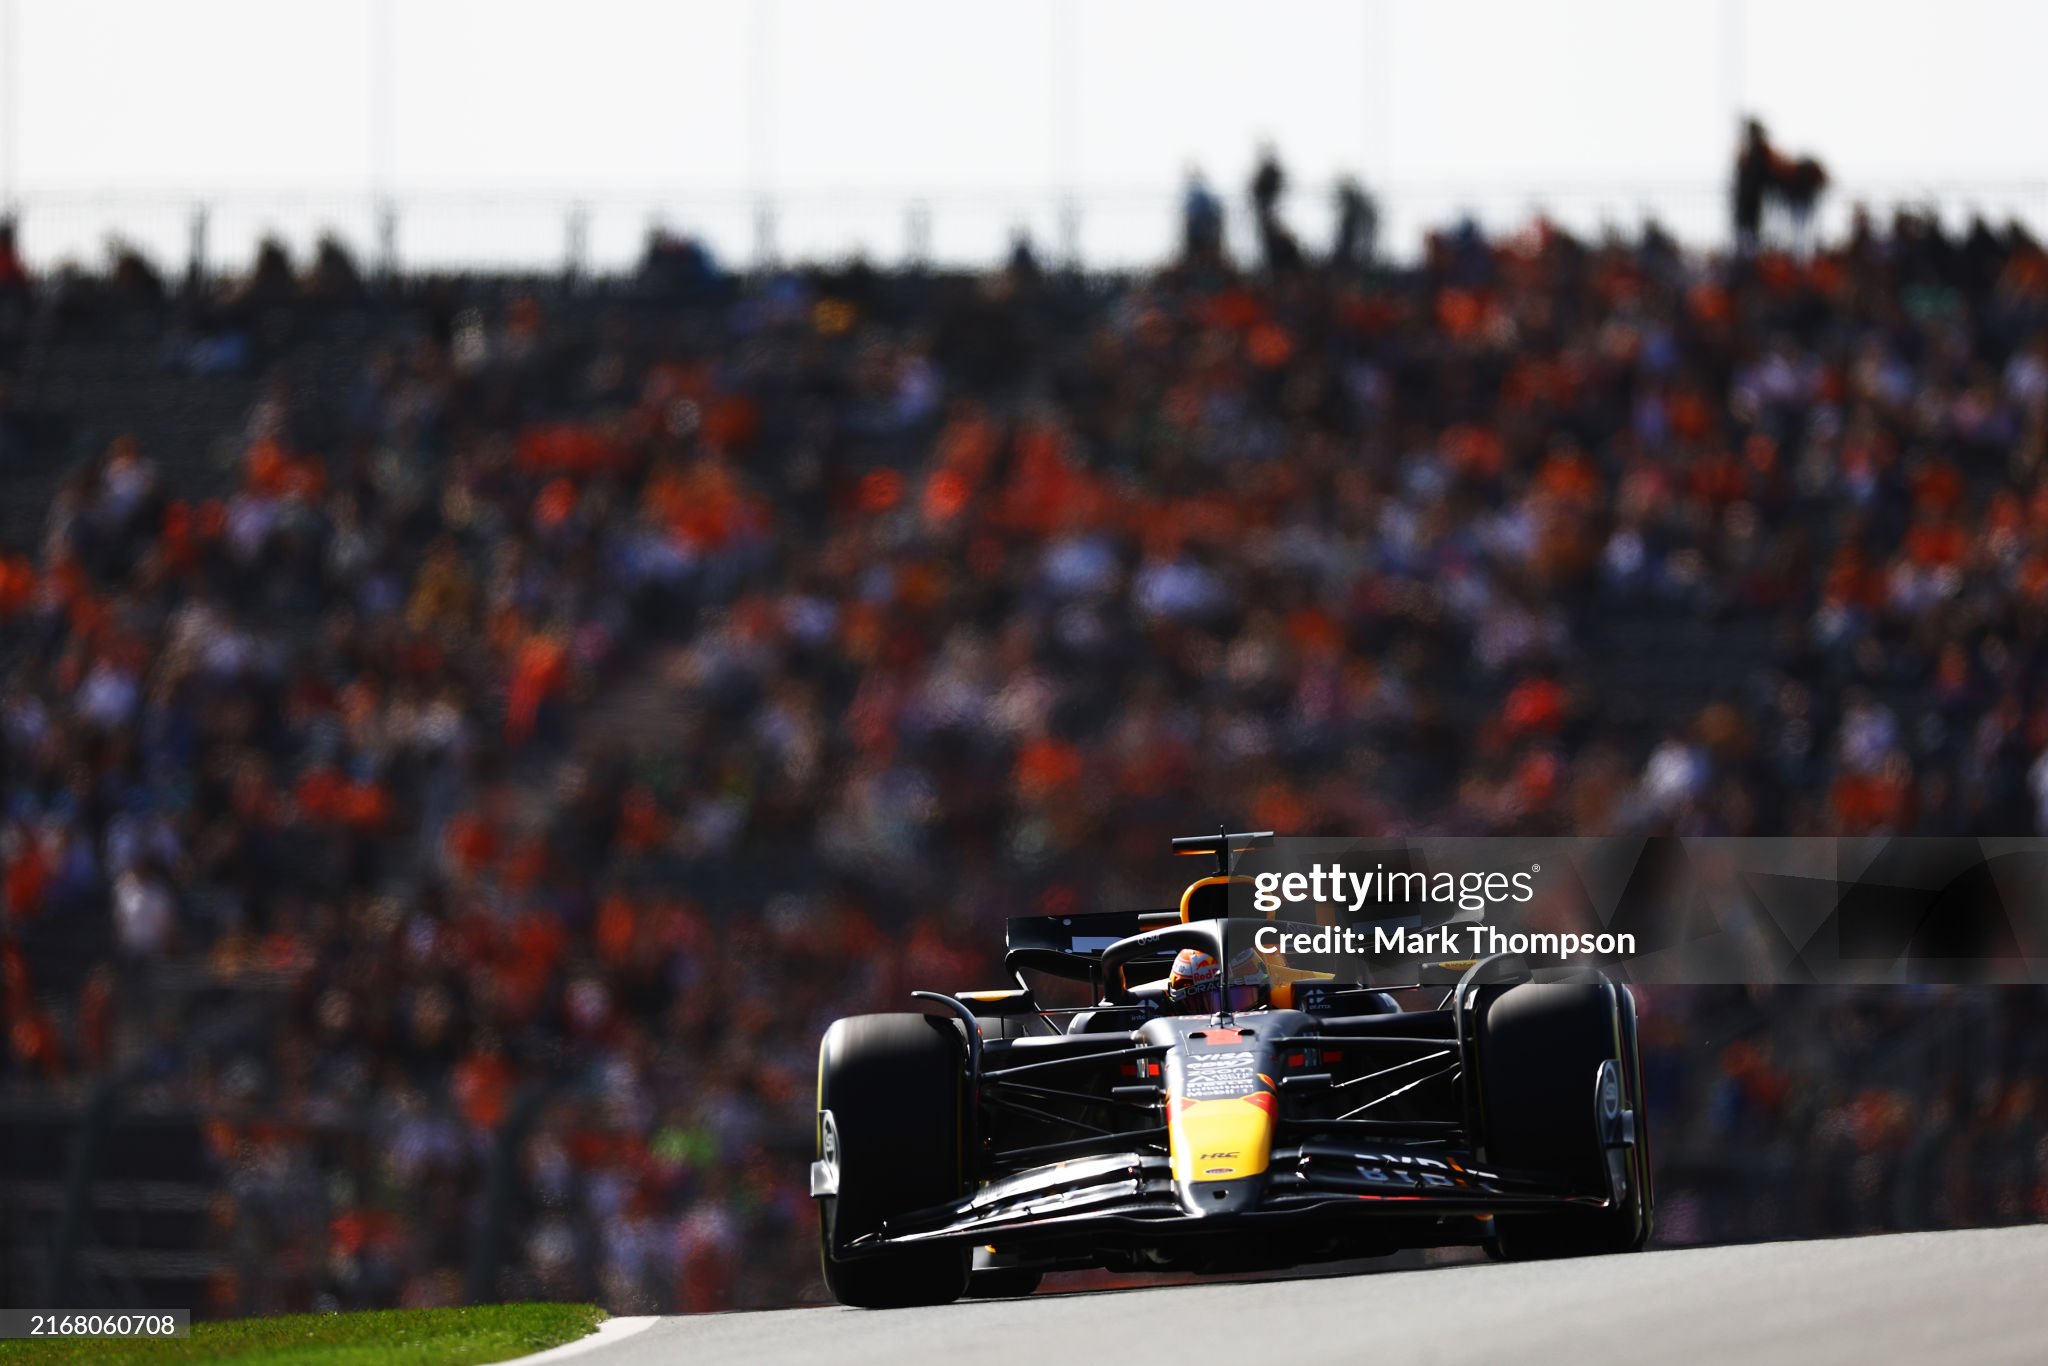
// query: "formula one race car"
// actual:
[[1219, 1108]]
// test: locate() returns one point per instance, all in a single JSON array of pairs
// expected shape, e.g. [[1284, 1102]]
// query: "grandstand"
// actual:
[[463, 736]]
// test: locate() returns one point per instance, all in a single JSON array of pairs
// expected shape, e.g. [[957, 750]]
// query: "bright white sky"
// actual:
[[494, 114]]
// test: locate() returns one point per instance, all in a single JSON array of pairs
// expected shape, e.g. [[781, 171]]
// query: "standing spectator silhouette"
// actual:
[[1276, 243], [1752, 177], [1358, 226], [1201, 217], [1761, 171], [1800, 184], [13, 275]]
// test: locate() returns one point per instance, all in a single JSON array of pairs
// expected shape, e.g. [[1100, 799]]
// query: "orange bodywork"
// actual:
[[1220, 1139]]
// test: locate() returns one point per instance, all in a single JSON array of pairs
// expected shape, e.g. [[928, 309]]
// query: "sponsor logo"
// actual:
[[1403, 1171], [1206, 1076]]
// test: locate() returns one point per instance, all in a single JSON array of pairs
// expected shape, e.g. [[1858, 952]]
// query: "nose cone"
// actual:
[[1221, 1107], [1221, 1148]]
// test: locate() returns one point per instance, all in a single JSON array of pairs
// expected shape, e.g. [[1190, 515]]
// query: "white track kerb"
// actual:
[[609, 1334]]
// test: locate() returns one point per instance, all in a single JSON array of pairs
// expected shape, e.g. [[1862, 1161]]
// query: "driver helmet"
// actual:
[[1197, 984]]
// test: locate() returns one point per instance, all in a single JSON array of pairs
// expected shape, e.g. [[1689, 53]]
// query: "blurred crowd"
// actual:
[[634, 678], [1817, 1111]]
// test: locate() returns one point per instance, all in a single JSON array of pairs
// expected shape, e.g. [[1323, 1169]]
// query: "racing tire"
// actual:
[[1540, 1048], [891, 1095], [1006, 1283]]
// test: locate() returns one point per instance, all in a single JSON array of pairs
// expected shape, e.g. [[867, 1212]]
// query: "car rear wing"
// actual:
[[1224, 845], [1071, 946]]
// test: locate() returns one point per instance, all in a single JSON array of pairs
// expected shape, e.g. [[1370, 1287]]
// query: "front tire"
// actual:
[[890, 1105], [1540, 1047], [1005, 1283]]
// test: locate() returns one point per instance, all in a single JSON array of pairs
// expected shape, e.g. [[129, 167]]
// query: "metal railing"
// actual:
[[1104, 227]]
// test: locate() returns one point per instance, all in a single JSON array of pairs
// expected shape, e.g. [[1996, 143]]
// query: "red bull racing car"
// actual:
[[1220, 1108]]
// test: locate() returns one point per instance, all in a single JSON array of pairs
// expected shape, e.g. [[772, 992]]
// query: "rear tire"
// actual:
[[891, 1089], [1540, 1048]]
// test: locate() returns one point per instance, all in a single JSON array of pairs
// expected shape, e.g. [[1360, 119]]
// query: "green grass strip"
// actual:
[[397, 1337]]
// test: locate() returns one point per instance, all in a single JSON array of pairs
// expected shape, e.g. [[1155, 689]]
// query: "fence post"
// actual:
[[578, 257], [387, 238], [500, 1183], [764, 234], [195, 267], [93, 1123], [918, 234]]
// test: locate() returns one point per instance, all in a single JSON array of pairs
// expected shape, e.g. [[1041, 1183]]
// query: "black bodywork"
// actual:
[[1378, 1120]]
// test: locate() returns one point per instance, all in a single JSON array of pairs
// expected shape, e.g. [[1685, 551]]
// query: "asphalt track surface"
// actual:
[[1978, 1295]]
